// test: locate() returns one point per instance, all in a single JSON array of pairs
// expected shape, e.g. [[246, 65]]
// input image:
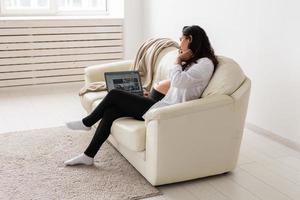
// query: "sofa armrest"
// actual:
[[192, 139], [188, 107], [95, 73]]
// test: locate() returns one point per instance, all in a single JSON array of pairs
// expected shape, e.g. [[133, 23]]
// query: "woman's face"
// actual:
[[184, 42]]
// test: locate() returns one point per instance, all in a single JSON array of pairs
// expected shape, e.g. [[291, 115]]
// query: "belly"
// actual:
[[162, 86]]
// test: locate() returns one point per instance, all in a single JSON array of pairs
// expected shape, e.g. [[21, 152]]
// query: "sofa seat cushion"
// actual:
[[88, 99], [226, 79], [130, 132], [127, 131]]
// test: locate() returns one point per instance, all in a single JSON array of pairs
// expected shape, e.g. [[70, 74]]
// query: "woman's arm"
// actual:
[[197, 73]]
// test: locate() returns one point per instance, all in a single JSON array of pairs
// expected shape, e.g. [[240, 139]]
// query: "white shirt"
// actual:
[[188, 84]]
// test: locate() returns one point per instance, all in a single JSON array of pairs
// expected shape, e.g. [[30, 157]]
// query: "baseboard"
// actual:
[[273, 136]]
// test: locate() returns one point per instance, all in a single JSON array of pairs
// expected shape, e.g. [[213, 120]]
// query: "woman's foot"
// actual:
[[80, 159], [77, 125]]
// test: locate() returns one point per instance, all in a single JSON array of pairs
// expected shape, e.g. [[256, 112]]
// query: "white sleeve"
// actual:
[[194, 76]]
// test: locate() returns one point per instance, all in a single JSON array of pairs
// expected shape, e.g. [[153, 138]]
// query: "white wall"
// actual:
[[115, 8], [133, 30], [262, 36], [131, 11]]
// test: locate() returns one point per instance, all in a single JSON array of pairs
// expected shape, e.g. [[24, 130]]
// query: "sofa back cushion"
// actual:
[[226, 79]]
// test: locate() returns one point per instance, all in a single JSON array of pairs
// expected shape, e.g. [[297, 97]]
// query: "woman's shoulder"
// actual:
[[205, 60], [204, 63]]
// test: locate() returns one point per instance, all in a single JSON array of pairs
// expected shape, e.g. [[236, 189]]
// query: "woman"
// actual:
[[190, 75]]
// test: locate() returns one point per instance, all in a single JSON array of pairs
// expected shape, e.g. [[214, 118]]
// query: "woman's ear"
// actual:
[[190, 38]]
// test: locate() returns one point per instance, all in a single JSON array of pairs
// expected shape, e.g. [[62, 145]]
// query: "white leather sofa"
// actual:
[[184, 141]]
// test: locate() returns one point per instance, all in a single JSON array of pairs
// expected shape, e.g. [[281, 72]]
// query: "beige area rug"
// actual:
[[31, 167]]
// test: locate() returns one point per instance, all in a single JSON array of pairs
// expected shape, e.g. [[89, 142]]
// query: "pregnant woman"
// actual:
[[192, 70]]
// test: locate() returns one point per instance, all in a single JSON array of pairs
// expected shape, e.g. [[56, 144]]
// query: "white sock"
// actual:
[[80, 159], [77, 125]]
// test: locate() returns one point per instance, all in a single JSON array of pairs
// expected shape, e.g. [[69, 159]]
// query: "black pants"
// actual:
[[116, 104]]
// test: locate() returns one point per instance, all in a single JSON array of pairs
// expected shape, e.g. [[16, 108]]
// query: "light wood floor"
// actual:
[[266, 170]]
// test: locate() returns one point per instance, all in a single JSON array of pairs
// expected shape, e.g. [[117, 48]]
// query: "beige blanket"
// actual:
[[144, 63]]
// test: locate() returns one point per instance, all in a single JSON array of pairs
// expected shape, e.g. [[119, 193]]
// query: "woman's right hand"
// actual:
[[184, 56]]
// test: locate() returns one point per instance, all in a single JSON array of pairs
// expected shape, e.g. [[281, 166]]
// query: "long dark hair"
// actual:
[[200, 45]]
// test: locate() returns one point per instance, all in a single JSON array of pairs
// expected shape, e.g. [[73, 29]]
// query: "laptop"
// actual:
[[129, 81]]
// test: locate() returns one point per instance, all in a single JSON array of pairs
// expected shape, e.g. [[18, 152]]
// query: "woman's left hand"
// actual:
[[146, 93]]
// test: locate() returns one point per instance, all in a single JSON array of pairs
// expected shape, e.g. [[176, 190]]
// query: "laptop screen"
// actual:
[[124, 80]]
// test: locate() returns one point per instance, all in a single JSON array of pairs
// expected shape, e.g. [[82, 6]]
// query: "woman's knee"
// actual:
[[111, 113], [110, 110], [115, 92]]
